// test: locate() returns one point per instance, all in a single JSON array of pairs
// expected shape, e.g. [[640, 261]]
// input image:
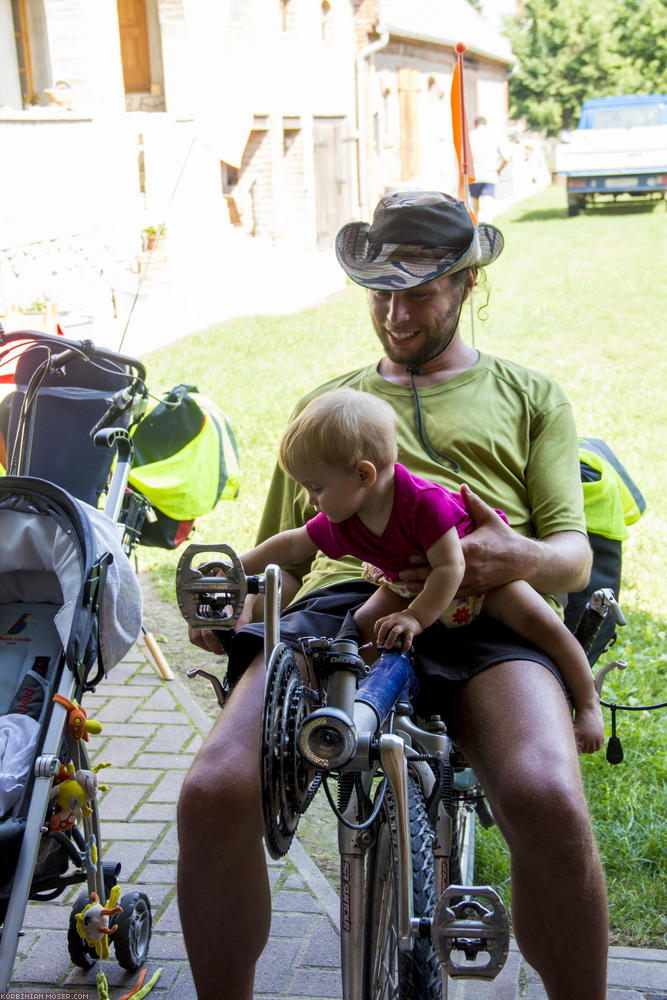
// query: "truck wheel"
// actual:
[[573, 208]]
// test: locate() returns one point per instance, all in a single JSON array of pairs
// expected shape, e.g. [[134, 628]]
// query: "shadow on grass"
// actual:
[[541, 215], [618, 208]]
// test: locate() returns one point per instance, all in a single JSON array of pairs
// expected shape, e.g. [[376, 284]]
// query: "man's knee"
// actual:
[[544, 811], [221, 791], [364, 620]]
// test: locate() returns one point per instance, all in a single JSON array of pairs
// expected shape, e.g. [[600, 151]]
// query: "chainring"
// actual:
[[285, 776]]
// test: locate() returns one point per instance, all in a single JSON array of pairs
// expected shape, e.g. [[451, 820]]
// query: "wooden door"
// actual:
[[134, 46], [333, 188], [20, 17], [408, 102]]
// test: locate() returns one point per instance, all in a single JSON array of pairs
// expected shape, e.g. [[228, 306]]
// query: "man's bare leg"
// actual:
[[515, 728], [223, 891]]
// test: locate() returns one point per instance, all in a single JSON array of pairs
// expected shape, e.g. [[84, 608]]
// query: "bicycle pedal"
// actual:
[[471, 921], [210, 594]]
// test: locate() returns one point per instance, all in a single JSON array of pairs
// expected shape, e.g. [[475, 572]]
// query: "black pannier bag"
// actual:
[[612, 502]]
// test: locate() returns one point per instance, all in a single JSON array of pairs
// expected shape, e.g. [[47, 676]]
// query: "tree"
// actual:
[[641, 39], [570, 50]]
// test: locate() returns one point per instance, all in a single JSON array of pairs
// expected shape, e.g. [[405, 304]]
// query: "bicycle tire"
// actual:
[[388, 973]]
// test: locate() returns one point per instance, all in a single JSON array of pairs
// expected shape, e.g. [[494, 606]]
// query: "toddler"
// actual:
[[342, 450]]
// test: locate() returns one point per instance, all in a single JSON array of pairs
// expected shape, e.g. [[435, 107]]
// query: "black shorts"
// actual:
[[445, 658], [479, 188]]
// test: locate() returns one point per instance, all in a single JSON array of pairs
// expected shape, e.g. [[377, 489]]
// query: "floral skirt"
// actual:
[[461, 611]]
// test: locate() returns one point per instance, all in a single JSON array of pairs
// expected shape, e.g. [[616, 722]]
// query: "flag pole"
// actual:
[[462, 147]]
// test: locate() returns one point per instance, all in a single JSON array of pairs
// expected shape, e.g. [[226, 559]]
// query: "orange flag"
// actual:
[[460, 129]]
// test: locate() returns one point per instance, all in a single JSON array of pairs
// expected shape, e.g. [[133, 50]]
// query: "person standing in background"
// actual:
[[490, 158]]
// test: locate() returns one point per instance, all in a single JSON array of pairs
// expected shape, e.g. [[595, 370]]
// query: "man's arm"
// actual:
[[496, 554]]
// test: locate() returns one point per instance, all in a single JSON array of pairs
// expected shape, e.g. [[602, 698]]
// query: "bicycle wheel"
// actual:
[[388, 973]]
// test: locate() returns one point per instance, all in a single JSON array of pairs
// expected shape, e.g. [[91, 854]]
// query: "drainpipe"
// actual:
[[362, 56]]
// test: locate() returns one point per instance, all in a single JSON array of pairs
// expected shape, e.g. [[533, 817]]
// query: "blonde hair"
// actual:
[[341, 428]]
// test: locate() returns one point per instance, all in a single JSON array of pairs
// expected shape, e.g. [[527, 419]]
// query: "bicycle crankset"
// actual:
[[211, 594], [284, 774]]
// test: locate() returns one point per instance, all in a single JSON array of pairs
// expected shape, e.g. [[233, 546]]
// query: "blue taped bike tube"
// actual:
[[389, 678]]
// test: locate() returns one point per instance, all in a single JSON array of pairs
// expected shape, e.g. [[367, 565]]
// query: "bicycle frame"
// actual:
[[363, 724], [353, 846]]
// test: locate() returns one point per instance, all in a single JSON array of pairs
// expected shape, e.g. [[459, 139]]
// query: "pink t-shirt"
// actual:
[[421, 514]]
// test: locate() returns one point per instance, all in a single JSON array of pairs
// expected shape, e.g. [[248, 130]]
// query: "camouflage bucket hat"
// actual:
[[415, 236]]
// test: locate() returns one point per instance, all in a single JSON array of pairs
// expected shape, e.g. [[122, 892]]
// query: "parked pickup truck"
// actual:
[[619, 150]]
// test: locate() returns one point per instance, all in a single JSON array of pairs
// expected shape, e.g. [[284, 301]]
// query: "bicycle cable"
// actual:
[[346, 822], [633, 708]]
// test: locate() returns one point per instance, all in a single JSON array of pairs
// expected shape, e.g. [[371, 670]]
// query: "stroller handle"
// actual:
[[86, 347]]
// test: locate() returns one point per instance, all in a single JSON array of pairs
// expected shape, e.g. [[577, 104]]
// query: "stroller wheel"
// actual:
[[81, 953], [132, 937]]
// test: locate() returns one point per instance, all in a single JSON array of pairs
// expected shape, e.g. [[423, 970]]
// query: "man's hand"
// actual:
[[488, 551], [399, 625], [414, 576], [206, 639], [492, 551], [495, 554]]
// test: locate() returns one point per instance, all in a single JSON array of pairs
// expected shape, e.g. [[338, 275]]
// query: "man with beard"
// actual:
[[505, 436]]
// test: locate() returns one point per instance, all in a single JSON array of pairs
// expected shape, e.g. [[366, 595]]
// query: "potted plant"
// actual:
[[151, 235]]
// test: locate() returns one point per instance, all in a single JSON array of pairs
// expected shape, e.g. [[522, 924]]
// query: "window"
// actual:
[[290, 135], [228, 176]]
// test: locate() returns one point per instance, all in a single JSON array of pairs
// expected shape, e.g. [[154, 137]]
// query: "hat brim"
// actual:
[[394, 266]]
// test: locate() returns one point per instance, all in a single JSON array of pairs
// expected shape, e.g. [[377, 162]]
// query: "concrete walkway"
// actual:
[[152, 730]]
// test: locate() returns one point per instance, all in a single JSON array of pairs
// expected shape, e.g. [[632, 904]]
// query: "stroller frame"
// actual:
[[71, 672]]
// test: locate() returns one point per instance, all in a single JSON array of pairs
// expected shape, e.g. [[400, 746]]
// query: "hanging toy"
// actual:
[[78, 723], [102, 987], [92, 923], [91, 853], [72, 790], [137, 992]]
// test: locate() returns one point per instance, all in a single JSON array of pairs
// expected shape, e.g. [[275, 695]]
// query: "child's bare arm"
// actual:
[[445, 558], [288, 547]]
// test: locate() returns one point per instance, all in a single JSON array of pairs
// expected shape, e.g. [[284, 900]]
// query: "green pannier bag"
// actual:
[[185, 461]]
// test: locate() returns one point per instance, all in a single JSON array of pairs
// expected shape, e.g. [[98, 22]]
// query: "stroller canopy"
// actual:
[[51, 544]]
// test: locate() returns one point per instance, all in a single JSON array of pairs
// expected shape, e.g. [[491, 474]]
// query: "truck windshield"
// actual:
[[623, 117]]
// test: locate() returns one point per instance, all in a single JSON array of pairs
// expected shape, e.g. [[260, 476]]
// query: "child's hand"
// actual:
[[391, 628], [589, 727]]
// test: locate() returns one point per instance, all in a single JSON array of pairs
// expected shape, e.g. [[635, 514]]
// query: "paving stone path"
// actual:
[[151, 732]]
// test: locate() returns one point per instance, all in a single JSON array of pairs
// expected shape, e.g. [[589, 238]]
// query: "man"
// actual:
[[508, 433], [489, 159]]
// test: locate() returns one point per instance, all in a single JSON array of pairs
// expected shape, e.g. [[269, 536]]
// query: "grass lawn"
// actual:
[[581, 299]]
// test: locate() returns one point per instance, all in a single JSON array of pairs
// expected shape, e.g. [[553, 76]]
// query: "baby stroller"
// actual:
[[70, 608]]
